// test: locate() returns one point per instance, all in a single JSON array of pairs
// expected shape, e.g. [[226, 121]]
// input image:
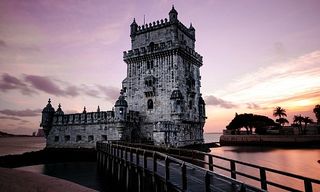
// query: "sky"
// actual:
[[256, 55]]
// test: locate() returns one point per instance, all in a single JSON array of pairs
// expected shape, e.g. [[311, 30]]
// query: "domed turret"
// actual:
[[173, 15], [120, 107], [121, 102], [47, 117], [133, 28], [59, 110]]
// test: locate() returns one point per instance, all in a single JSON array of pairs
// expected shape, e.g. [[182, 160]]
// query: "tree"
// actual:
[[281, 113], [306, 121], [250, 121], [316, 111], [282, 121], [298, 119]]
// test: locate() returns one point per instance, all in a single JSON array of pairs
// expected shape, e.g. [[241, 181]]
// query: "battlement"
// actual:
[[161, 24], [91, 118], [157, 48]]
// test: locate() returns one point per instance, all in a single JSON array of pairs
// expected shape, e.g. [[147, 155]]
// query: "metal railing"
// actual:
[[207, 160], [176, 172]]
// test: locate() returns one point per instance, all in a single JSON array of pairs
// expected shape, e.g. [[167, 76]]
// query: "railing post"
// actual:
[[233, 169], [263, 178], [145, 160], [184, 176], [126, 154], [210, 163], [131, 156], [167, 171], [137, 158], [154, 157], [207, 182], [307, 185]]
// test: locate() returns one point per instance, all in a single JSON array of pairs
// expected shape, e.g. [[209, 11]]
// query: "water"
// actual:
[[19, 145], [298, 161], [211, 137], [83, 173]]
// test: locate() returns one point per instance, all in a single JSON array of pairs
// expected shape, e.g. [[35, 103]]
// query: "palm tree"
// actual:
[[316, 111], [281, 113], [298, 119], [306, 121]]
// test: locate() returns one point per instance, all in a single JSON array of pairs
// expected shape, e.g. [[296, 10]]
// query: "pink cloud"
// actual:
[[21, 113], [9, 82]]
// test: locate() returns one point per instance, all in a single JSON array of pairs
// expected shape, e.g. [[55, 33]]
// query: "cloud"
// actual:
[[45, 84], [10, 118], [21, 113], [9, 82], [30, 84], [254, 106], [110, 93], [212, 100], [279, 81], [2, 43]]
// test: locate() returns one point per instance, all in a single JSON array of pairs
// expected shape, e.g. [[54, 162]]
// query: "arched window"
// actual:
[[150, 104]]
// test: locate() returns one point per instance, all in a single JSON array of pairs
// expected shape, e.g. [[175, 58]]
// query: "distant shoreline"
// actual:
[[271, 140]]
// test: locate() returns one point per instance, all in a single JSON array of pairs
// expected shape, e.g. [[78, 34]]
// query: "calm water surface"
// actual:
[[19, 145]]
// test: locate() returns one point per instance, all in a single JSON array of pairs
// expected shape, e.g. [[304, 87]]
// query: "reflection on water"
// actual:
[[299, 161], [83, 173]]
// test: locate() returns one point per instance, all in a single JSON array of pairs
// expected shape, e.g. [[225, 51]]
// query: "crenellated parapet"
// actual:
[[162, 48], [84, 118], [162, 24], [102, 117]]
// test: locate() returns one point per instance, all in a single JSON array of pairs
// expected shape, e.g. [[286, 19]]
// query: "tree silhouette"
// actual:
[[281, 113], [316, 111], [306, 120], [282, 121], [250, 121], [298, 119]]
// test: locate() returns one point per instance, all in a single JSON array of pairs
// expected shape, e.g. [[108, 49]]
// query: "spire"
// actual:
[[191, 27], [98, 110], [59, 110], [173, 15], [49, 101], [84, 109], [133, 27]]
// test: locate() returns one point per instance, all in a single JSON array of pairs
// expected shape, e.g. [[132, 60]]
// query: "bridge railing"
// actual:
[[207, 160], [149, 160]]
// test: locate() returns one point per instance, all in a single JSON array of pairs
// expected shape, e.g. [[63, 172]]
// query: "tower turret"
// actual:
[[47, 118], [133, 28], [173, 15], [120, 108], [59, 110]]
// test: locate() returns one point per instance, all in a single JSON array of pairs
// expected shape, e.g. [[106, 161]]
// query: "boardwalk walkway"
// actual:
[[173, 173]]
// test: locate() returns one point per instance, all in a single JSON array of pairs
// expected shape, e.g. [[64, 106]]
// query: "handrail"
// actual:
[[114, 150], [193, 155]]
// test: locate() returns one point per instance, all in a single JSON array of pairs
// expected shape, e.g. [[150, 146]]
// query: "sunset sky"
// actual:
[[257, 55]]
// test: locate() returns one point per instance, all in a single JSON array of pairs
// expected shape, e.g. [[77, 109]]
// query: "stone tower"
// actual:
[[47, 118], [163, 82]]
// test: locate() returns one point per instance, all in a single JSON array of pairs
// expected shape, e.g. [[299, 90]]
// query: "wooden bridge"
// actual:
[[141, 168]]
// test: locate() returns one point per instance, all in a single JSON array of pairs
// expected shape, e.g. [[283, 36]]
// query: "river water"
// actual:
[[299, 161]]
